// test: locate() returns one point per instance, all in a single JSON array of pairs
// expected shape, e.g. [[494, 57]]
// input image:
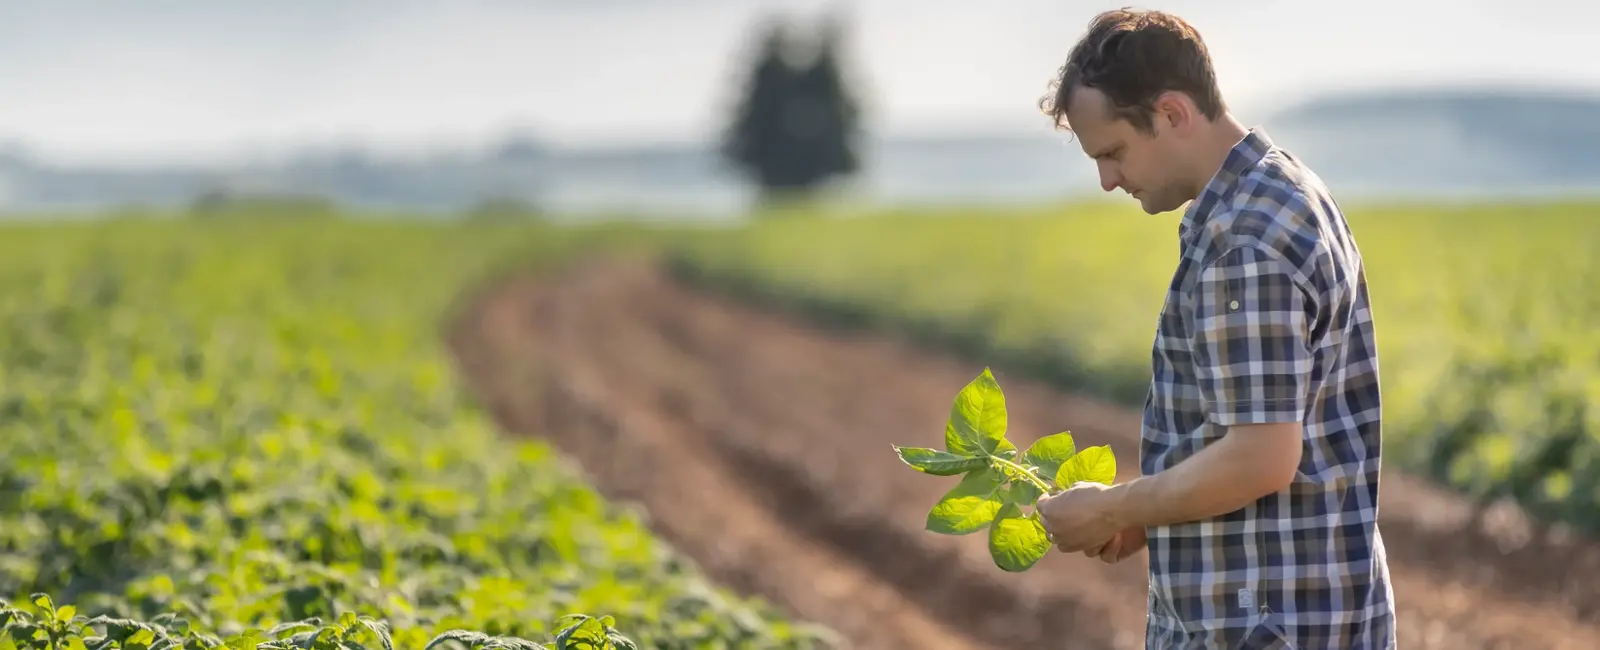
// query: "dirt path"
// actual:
[[761, 448]]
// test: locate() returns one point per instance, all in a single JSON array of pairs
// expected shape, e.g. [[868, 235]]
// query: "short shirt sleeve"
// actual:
[[1252, 352]]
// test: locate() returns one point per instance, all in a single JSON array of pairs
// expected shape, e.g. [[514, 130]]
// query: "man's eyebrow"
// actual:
[[1102, 151]]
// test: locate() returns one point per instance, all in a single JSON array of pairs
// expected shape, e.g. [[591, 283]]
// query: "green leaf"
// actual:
[[1095, 464], [24, 632], [620, 642], [977, 424], [290, 628], [468, 638], [938, 463], [1015, 541], [1049, 452], [379, 629], [140, 639], [588, 633], [66, 613], [246, 641], [1024, 493], [969, 506]]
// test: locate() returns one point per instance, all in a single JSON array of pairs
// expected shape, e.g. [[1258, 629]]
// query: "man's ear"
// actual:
[[1174, 110]]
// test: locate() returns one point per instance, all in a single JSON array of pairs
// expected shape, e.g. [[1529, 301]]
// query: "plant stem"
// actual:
[[1035, 480]]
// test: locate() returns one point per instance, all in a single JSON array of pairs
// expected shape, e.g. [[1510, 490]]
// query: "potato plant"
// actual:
[[997, 481], [48, 627]]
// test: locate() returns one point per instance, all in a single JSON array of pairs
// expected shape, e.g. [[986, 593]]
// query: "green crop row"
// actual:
[[243, 423], [46, 626], [1486, 316]]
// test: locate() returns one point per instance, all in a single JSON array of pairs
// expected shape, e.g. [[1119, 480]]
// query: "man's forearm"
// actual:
[[1245, 465]]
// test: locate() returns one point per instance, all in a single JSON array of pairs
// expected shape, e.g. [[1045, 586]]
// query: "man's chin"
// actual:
[[1153, 206]]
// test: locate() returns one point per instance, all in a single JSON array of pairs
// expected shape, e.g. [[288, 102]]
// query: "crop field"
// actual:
[[212, 429], [1489, 351], [262, 433]]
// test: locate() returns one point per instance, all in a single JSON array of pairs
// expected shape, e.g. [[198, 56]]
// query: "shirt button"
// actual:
[[1233, 304]]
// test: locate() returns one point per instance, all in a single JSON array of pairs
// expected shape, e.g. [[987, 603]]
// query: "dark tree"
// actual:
[[798, 124], [832, 117]]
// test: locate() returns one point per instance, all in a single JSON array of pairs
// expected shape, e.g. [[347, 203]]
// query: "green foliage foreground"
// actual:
[[1486, 316], [219, 428], [45, 626]]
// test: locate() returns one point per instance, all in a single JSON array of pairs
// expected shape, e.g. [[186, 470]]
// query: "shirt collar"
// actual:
[[1244, 155]]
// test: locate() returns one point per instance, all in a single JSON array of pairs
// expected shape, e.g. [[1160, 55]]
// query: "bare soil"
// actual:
[[761, 447]]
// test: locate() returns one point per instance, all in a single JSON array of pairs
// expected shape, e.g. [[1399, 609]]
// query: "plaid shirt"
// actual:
[[1267, 320]]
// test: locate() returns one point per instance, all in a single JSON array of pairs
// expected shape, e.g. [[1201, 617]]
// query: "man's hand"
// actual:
[[1082, 517], [1125, 544]]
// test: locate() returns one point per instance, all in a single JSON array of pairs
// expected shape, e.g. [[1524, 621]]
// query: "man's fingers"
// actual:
[[1067, 547], [1108, 552], [1111, 546], [1089, 550]]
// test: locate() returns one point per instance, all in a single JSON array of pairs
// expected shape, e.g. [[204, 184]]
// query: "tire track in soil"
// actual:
[[762, 448]]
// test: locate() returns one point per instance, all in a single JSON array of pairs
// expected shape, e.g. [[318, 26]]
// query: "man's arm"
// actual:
[[1250, 462], [1252, 357]]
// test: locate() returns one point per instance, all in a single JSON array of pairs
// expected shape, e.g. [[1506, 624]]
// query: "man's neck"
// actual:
[[1219, 139]]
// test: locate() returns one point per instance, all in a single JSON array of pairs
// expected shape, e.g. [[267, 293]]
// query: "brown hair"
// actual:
[[1132, 57]]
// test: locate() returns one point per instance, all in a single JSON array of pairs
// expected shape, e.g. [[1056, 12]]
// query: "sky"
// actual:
[[192, 80]]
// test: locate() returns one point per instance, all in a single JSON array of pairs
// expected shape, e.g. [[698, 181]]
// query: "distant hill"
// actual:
[[1455, 143], [1486, 140]]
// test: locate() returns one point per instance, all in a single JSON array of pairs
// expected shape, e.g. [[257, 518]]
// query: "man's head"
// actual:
[[1140, 94]]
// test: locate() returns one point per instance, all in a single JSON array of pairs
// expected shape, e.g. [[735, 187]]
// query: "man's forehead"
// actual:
[[1088, 104]]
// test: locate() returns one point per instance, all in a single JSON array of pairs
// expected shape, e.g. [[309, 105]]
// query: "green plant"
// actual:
[[63, 628], [997, 482]]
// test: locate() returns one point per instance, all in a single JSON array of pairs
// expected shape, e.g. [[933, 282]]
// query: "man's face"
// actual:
[[1143, 165]]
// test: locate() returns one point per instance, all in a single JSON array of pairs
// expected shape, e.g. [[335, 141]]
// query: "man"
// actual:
[[1261, 441]]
